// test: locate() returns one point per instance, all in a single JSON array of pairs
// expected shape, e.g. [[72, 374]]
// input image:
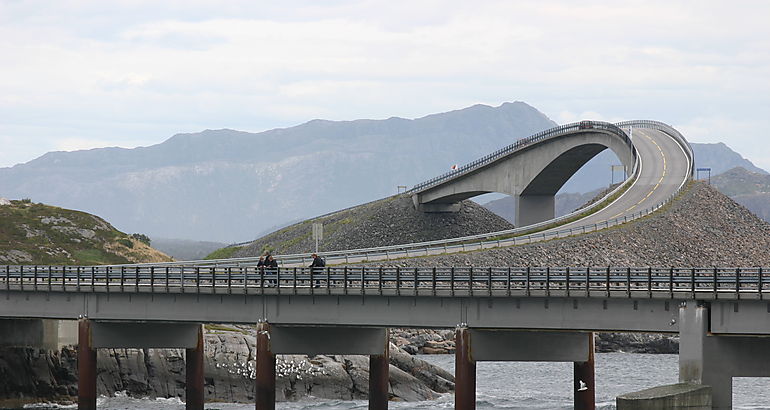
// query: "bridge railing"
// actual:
[[602, 282], [524, 143], [508, 237]]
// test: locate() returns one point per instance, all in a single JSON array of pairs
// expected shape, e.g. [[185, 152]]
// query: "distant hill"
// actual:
[[228, 186], [720, 158], [41, 234], [750, 189], [231, 186], [185, 250]]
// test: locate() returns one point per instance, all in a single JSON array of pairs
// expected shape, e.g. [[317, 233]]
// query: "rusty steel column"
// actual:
[[379, 376], [465, 371], [194, 375], [86, 367], [265, 380], [584, 382]]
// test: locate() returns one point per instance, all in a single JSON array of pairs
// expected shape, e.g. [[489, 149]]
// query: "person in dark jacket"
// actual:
[[317, 267], [271, 266]]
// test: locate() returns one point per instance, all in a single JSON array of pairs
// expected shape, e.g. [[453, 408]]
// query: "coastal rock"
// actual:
[[29, 375]]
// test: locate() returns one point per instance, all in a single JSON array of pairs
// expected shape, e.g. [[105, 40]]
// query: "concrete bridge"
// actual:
[[541, 314], [535, 314], [532, 170], [662, 164]]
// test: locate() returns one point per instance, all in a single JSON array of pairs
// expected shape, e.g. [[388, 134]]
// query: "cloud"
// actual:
[[114, 72]]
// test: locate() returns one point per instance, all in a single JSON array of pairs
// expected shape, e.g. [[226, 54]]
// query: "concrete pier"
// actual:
[[265, 368], [465, 371], [713, 359], [86, 367], [584, 380], [378, 381], [194, 375]]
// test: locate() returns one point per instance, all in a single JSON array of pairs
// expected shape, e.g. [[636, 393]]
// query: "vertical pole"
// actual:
[[379, 366], [86, 367], [194, 375], [584, 382], [265, 380], [465, 371]]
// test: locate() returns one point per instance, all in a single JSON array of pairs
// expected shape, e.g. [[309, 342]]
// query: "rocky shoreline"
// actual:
[[34, 375]]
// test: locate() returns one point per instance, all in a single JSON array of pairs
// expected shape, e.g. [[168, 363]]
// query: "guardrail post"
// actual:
[[86, 367], [465, 371], [265, 373], [194, 375]]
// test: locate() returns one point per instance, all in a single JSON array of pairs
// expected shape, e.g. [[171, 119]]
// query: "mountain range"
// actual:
[[231, 186]]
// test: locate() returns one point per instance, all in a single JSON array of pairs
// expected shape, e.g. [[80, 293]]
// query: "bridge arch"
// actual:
[[532, 170]]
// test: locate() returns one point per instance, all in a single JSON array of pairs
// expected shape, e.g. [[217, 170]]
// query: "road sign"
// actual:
[[318, 233]]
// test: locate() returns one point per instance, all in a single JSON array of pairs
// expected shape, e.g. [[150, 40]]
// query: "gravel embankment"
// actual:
[[390, 221], [703, 228]]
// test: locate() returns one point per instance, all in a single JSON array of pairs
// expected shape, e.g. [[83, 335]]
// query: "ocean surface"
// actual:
[[511, 385]]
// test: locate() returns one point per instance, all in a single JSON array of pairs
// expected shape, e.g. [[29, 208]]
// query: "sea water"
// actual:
[[510, 385]]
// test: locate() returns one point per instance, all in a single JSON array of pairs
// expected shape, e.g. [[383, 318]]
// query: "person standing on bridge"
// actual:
[[317, 267], [272, 269]]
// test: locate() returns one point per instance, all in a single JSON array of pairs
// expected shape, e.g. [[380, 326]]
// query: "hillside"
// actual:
[[750, 189], [389, 221], [41, 234]]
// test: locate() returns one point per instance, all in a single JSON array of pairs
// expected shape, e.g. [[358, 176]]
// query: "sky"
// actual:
[[85, 74]]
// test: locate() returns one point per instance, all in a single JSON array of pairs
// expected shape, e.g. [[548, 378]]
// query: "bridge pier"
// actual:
[[465, 371], [265, 369], [475, 345], [379, 377], [712, 359], [531, 209], [194, 397], [86, 367], [584, 392], [93, 335]]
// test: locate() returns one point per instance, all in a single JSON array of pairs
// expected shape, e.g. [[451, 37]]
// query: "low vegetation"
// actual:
[[33, 233]]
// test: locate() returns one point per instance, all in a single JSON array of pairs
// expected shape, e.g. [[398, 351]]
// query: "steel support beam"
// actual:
[[465, 371], [194, 374], [86, 367], [379, 376], [584, 380], [265, 377]]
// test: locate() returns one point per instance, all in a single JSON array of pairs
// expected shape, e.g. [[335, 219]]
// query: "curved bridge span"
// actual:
[[658, 159], [532, 170]]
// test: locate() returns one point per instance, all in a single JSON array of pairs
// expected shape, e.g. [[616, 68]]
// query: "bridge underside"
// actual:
[[532, 176]]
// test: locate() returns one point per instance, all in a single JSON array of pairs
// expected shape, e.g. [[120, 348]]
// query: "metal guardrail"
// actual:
[[480, 241], [551, 133], [601, 282]]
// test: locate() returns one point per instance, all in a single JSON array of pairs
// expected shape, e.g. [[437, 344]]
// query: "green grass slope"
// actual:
[[41, 234]]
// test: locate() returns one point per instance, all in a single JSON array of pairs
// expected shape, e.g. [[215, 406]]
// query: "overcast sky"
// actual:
[[76, 74]]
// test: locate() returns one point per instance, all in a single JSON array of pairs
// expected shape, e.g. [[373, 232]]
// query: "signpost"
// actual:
[[612, 173], [698, 171], [318, 233]]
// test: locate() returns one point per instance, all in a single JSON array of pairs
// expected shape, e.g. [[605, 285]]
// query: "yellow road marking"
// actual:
[[665, 167]]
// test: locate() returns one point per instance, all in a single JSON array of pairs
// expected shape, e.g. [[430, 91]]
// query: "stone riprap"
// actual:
[[390, 221], [703, 228]]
